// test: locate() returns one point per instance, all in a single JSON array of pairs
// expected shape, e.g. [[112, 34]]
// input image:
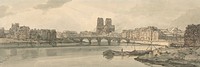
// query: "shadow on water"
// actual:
[[5, 54], [51, 52], [109, 57], [38, 53], [29, 54]]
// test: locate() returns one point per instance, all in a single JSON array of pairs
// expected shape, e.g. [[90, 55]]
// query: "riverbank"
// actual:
[[15, 43], [173, 57], [163, 43], [9, 40]]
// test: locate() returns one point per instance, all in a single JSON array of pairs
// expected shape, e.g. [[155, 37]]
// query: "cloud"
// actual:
[[191, 16], [51, 4], [73, 16], [4, 11], [81, 15]]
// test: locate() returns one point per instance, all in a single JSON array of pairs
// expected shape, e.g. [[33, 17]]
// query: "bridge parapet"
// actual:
[[99, 38]]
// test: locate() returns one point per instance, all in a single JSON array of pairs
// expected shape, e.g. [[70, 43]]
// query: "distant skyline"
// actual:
[[81, 15]]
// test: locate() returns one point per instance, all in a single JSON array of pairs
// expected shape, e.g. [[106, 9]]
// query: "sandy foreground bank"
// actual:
[[173, 57]]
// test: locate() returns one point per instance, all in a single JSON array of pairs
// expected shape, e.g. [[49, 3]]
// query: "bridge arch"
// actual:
[[87, 39], [125, 40], [99, 39]]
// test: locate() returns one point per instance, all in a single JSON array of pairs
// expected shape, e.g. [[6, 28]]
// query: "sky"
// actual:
[[81, 15]]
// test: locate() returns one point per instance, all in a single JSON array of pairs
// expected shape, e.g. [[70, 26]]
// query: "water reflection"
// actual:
[[35, 53], [70, 56], [109, 57], [51, 52], [13, 52], [29, 54]]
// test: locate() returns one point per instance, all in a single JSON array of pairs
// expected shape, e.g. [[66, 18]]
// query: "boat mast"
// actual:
[[151, 39]]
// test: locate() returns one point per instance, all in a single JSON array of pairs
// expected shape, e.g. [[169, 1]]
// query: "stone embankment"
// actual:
[[173, 57]]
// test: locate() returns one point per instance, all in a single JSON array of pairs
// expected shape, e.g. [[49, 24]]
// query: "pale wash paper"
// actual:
[[81, 15]]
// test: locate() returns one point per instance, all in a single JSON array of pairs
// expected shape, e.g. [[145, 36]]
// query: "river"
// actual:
[[76, 56]]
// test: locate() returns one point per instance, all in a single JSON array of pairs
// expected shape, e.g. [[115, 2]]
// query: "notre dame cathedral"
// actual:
[[106, 28]]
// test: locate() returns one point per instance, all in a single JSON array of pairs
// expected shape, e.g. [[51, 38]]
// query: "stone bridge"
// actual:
[[99, 38]]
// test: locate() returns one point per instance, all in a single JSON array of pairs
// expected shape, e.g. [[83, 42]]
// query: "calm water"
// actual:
[[85, 56]]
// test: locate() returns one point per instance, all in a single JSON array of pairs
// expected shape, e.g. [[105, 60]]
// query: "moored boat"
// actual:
[[123, 53]]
